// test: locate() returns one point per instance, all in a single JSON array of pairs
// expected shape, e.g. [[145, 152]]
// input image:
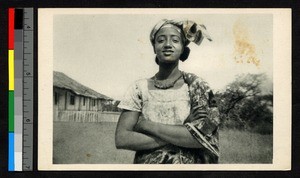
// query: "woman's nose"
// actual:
[[168, 43]]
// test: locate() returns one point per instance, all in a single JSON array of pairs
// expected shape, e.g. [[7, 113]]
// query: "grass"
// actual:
[[245, 147], [93, 143]]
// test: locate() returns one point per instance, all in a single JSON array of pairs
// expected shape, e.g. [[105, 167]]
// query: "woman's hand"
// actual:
[[197, 112]]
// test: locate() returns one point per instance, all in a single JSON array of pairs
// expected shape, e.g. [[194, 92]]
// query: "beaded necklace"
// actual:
[[167, 83]]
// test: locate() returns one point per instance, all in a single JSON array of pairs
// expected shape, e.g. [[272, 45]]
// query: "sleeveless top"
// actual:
[[172, 106]]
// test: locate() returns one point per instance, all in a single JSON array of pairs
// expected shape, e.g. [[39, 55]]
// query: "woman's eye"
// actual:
[[160, 40], [176, 40]]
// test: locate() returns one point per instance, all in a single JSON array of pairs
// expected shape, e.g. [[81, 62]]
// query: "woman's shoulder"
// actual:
[[138, 84], [191, 78]]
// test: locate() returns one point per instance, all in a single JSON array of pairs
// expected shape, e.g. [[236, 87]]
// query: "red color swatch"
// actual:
[[11, 28]]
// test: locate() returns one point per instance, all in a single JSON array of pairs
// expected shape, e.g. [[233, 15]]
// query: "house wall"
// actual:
[[69, 106], [83, 103], [100, 104], [63, 110], [93, 104], [61, 102]]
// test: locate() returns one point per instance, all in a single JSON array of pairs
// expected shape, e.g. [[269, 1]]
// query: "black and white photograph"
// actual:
[[204, 88]]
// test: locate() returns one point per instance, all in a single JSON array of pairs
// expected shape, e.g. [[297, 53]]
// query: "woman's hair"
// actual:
[[189, 30]]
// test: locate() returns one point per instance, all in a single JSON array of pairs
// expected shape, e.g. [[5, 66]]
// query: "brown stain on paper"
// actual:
[[245, 51]]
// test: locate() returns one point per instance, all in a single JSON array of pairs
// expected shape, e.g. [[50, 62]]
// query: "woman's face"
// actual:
[[168, 45]]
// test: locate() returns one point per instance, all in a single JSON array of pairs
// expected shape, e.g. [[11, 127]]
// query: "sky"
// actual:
[[108, 52]]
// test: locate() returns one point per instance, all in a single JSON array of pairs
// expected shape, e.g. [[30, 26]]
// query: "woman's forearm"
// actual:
[[127, 138], [174, 134], [135, 141]]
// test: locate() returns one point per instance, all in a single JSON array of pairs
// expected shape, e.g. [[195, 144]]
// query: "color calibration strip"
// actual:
[[11, 83], [20, 49]]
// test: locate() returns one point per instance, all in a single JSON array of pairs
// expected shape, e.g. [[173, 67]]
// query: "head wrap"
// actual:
[[190, 30]]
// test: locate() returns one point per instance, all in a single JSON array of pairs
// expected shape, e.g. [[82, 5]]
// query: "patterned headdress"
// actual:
[[191, 31]]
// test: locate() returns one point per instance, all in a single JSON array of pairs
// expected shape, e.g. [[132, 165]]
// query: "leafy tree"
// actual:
[[242, 105]]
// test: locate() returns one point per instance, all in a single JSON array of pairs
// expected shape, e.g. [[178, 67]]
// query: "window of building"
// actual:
[[83, 101], [94, 102], [56, 95], [72, 99]]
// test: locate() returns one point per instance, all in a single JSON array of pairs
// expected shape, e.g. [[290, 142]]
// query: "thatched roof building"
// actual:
[[61, 80]]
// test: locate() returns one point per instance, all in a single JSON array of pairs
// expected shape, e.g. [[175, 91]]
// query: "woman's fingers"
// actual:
[[197, 116], [197, 113], [196, 108], [200, 115], [200, 112]]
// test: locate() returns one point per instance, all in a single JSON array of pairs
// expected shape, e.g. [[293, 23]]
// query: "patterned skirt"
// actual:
[[171, 154]]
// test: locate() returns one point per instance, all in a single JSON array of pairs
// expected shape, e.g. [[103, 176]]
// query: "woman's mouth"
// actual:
[[168, 52]]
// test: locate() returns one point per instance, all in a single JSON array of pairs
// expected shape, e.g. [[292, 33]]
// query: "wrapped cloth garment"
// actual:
[[203, 129]]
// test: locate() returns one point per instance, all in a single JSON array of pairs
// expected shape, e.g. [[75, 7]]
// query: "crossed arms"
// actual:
[[134, 134]]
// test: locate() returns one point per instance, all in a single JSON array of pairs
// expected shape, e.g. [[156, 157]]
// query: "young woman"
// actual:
[[171, 117]]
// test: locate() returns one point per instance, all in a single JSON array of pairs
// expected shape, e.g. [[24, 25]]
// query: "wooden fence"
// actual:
[[85, 116]]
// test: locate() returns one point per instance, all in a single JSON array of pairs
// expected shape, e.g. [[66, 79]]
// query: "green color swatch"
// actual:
[[11, 111]]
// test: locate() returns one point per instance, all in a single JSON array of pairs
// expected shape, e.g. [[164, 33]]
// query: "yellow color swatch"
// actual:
[[11, 70]]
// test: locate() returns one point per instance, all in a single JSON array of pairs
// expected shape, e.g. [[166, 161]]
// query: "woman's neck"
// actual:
[[168, 71]]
